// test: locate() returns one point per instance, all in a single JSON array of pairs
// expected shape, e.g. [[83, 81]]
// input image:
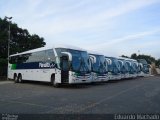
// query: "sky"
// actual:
[[111, 27]]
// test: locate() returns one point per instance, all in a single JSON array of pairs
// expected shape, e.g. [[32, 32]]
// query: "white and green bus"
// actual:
[[99, 67], [59, 65]]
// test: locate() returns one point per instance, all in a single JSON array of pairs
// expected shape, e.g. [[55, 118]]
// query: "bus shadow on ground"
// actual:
[[94, 84], [67, 86], [77, 86], [121, 80]]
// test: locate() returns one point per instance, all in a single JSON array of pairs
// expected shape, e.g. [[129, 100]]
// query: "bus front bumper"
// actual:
[[81, 79]]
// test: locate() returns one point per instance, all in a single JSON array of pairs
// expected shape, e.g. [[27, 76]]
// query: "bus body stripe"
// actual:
[[13, 67], [33, 65]]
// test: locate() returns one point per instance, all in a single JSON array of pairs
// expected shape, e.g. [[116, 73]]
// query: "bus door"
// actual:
[[64, 69]]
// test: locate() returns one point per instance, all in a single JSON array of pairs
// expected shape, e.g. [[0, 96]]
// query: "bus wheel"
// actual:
[[53, 82], [15, 78], [20, 78]]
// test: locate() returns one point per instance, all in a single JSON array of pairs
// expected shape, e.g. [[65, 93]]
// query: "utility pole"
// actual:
[[9, 37], [138, 52]]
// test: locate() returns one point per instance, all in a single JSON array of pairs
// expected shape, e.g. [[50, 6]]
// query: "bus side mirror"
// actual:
[[92, 58], [109, 61], [68, 54]]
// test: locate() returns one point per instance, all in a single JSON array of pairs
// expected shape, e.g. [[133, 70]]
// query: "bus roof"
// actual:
[[110, 57], [129, 59], [45, 48], [68, 47], [94, 52]]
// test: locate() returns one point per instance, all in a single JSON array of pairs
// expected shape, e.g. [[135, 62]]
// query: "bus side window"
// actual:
[[22, 58], [19, 59], [13, 60], [36, 57], [49, 55]]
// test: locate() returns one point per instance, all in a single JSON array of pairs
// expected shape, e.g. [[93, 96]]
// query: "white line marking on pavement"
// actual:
[[105, 99], [25, 103], [5, 82]]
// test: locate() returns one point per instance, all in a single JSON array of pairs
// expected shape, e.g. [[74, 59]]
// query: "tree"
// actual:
[[148, 58], [124, 56], [134, 56], [21, 40]]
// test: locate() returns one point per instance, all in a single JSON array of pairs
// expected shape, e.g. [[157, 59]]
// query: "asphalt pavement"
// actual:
[[140, 95]]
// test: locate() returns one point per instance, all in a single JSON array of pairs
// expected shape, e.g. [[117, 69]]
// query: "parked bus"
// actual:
[[136, 67], [124, 68], [144, 67], [132, 68], [99, 67], [59, 65], [113, 68]]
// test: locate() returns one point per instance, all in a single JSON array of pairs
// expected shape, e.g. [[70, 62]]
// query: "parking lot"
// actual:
[[140, 95]]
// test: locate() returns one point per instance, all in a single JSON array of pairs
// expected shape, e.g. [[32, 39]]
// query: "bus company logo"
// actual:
[[46, 65]]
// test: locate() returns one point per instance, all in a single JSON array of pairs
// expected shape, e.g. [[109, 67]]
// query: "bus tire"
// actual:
[[20, 78], [15, 78], [53, 81]]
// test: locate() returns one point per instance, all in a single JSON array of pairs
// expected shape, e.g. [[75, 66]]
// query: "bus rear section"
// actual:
[[34, 65]]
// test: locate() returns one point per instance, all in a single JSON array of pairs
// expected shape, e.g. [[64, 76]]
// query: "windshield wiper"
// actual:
[[101, 67], [83, 66]]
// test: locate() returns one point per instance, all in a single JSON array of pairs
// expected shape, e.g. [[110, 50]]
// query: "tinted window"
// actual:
[[22, 58], [13, 60], [80, 59], [37, 57], [19, 59], [49, 56]]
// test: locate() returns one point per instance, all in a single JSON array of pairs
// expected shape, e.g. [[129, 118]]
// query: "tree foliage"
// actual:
[[148, 58], [124, 56], [134, 56], [20, 40]]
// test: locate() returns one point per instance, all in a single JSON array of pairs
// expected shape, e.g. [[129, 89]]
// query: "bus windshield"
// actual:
[[80, 60], [100, 65], [145, 68], [129, 66], [144, 62], [126, 66], [134, 67], [114, 66], [115, 61]]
